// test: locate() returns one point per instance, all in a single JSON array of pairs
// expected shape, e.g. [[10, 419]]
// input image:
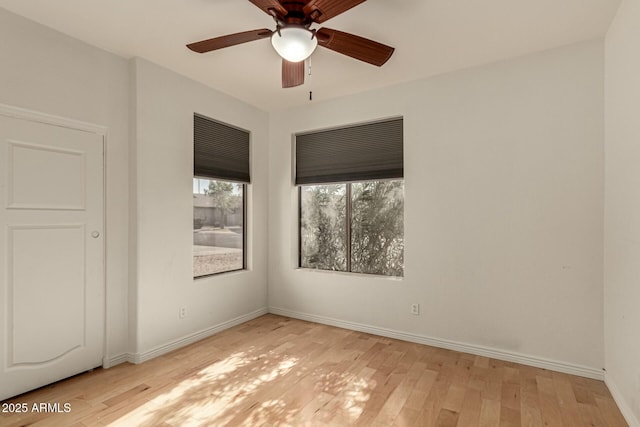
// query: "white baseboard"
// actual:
[[626, 410], [110, 362], [478, 350], [190, 339]]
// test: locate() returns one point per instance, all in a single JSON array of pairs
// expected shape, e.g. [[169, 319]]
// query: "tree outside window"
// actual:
[[355, 227], [218, 226]]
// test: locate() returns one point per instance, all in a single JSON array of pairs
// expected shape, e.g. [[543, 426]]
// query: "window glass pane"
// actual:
[[377, 231], [323, 227], [218, 226]]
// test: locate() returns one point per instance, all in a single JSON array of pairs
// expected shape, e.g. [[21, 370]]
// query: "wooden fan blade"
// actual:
[[229, 40], [292, 73], [267, 5], [354, 46], [323, 10]]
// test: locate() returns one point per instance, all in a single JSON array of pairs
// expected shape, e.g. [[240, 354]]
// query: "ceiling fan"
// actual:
[[295, 41]]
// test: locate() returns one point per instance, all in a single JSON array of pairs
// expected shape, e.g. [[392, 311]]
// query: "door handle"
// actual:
[[95, 234]]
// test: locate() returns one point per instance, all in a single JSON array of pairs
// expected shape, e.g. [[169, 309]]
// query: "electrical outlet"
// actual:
[[182, 313], [415, 309]]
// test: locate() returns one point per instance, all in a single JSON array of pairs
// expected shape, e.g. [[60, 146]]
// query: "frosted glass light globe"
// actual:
[[294, 43]]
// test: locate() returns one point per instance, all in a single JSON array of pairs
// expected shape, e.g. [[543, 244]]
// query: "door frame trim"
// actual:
[[50, 119], [15, 112]]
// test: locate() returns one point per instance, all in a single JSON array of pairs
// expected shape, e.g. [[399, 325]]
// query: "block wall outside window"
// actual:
[[218, 226]]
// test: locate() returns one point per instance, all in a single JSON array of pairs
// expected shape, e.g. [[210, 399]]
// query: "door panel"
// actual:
[[51, 254], [42, 177], [46, 276]]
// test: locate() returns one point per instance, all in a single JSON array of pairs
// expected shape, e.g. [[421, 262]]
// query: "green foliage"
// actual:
[[323, 227], [197, 223], [225, 197], [377, 227]]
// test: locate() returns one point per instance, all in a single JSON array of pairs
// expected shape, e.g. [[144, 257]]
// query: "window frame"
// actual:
[[348, 220], [222, 152], [244, 228]]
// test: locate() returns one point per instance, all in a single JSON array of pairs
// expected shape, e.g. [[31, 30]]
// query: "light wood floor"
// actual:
[[279, 371]]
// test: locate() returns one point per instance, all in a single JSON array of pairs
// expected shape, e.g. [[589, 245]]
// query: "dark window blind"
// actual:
[[220, 151], [356, 153]]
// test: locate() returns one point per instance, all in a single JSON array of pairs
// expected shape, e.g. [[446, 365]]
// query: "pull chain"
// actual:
[[309, 80]]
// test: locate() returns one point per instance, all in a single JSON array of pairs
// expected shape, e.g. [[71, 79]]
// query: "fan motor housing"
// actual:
[[295, 12]]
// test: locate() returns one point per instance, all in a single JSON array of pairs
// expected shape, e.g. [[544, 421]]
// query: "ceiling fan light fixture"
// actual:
[[294, 43]]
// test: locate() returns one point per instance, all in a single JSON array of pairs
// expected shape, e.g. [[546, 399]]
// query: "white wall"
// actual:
[[622, 210], [46, 71], [148, 181], [503, 199], [503, 213], [163, 104]]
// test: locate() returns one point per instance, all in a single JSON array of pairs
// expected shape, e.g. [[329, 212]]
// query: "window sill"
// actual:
[[222, 273], [350, 274]]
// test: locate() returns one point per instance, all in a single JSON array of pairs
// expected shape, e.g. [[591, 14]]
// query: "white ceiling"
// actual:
[[430, 36]]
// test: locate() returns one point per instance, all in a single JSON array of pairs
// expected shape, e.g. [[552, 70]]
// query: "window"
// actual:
[[377, 227], [355, 227], [323, 231], [221, 175], [351, 199], [218, 226]]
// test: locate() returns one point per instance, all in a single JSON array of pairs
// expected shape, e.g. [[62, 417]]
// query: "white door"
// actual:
[[51, 254]]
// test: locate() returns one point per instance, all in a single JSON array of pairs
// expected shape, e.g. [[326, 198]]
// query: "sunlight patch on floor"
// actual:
[[214, 395], [357, 395], [352, 391]]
